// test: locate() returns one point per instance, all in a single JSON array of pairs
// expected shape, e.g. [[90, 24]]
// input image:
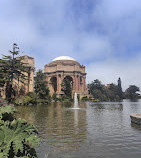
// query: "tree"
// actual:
[[119, 89], [41, 88], [2, 81], [130, 92], [112, 92], [102, 92], [95, 85], [66, 87], [13, 71]]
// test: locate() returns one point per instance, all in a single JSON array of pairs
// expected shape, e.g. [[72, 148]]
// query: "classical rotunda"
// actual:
[[66, 67]]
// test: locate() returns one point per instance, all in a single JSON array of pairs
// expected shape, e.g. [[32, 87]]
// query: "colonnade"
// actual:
[[78, 82]]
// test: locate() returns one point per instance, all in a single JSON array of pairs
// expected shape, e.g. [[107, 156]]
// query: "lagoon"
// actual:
[[96, 130]]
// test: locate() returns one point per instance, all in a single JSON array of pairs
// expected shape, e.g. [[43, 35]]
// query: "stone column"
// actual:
[[78, 83], [75, 82], [61, 81], [84, 84], [58, 83], [73, 88]]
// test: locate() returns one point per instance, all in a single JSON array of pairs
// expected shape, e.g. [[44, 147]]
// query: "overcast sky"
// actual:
[[103, 35]]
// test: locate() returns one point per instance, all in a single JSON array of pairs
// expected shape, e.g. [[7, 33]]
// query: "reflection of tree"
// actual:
[[106, 106], [58, 126], [136, 127], [26, 112], [62, 127]]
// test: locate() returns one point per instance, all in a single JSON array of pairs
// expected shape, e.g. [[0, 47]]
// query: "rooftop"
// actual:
[[64, 58]]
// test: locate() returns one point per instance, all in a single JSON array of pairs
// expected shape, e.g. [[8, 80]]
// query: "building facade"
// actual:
[[66, 67], [29, 86]]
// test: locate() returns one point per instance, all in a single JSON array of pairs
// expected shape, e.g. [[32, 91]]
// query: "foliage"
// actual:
[[17, 138], [103, 93], [33, 97], [41, 88], [2, 81], [54, 97], [6, 113], [120, 89], [29, 98], [3, 102], [84, 99], [66, 87], [130, 92], [13, 71]]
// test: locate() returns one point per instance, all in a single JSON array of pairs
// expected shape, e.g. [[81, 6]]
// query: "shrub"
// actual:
[[54, 97], [30, 98], [17, 137], [3, 102]]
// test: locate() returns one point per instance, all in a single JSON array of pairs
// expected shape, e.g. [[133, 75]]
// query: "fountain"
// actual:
[[75, 101]]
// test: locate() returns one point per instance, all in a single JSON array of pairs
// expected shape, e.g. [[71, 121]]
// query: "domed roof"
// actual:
[[64, 58]]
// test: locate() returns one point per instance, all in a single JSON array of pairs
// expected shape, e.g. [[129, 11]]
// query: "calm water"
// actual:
[[97, 130]]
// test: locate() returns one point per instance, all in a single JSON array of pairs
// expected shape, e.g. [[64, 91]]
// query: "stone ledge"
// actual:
[[136, 118]]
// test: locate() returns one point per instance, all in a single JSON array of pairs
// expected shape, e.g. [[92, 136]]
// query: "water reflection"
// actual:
[[62, 129], [101, 130], [136, 127], [106, 105]]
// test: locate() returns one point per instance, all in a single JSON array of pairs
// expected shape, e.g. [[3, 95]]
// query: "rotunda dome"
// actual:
[[63, 58]]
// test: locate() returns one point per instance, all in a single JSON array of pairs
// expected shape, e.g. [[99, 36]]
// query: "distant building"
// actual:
[[29, 87], [108, 86], [66, 67]]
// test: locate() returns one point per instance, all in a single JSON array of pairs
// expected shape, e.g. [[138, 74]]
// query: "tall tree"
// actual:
[[119, 88], [2, 81], [66, 87], [13, 71], [102, 92], [131, 92], [40, 87], [95, 85]]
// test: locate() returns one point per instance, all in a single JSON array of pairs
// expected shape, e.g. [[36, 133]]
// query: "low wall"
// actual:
[[136, 118]]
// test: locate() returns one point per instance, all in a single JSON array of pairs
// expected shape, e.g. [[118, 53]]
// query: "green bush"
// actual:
[[33, 97], [84, 99], [30, 98], [17, 137], [3, 102]]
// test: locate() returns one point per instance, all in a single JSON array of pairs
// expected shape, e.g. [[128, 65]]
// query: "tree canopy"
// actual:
[[103, 93], [66, 87], [12, 71], [40, 87], [130, 92]]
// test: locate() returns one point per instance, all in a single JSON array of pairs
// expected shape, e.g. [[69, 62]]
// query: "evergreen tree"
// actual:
[[41, 88], [13, 71], [119, 88], [2, 81]]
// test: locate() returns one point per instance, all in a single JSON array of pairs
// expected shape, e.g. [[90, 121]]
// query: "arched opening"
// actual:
[[54, 83], [67, 86], [81, 81]]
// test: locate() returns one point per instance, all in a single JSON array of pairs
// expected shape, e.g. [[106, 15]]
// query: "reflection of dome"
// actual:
[[64, 58]]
